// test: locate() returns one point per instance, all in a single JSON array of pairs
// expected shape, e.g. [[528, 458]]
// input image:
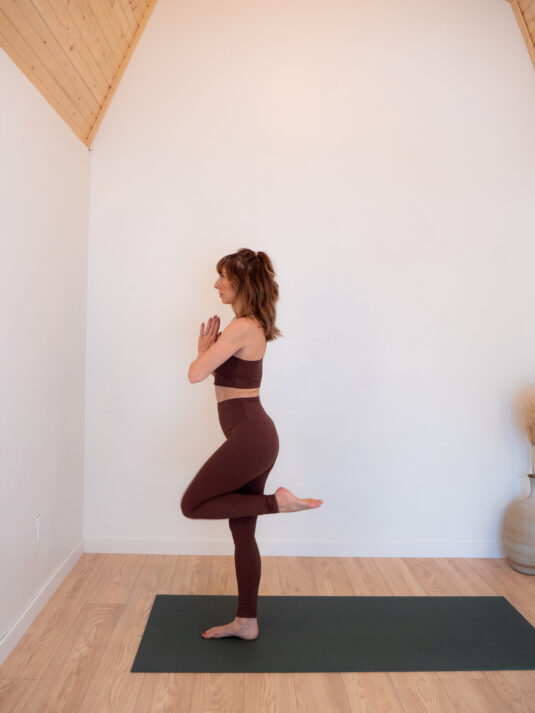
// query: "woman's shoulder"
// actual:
[[248, 323], [253, 338], [252, 331]]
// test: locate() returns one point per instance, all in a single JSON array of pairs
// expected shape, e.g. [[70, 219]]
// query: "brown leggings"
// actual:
[[231, 485]]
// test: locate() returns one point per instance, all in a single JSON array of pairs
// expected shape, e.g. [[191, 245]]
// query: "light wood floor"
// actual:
[[76, 656]]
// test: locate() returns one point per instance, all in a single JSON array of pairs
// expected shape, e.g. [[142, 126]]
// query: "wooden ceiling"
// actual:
[[525, 14], [75, 51]]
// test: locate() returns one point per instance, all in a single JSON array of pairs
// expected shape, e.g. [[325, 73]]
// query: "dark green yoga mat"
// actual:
[[325, 634]]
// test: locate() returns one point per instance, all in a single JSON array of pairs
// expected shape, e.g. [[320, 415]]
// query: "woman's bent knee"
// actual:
[[188, 507]]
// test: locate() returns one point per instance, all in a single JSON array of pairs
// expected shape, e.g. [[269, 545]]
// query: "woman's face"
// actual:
[[225, 289]]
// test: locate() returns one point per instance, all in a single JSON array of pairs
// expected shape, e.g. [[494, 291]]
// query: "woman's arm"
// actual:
[[231, 339]]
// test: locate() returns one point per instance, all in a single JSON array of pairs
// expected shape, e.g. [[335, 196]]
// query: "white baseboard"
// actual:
[[295, 548], [22, 623]]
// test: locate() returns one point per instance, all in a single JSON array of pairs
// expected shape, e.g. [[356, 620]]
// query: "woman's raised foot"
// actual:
[[288, 502]]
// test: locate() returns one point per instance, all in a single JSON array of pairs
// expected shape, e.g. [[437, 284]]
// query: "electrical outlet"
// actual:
[[37, 527]]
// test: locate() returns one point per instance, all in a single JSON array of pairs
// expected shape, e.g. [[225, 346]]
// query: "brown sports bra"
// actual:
[[240, 373]]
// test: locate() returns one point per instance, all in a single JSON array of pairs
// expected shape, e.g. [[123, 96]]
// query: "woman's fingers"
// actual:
[[212, 326]]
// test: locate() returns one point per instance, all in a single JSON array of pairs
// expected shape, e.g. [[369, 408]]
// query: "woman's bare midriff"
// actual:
[[252, 352], [222, 393]]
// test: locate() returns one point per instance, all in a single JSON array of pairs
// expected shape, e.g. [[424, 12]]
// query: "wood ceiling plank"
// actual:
[[28, 62], [72, 44], [57, 60], [82, 15], [530, 44], [528, 11], [139, 7], [129, 16], [34, 57], [110, 27], [117, 79], [82, 57], [117, 10]]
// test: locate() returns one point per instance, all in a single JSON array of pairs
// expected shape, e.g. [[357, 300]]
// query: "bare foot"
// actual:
[[288, 502], [241, 626]]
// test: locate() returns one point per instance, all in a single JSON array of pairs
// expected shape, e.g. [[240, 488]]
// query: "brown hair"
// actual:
[[252, 276]]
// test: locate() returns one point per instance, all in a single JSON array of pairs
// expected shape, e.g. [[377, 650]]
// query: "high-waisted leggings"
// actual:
[[231, 485]]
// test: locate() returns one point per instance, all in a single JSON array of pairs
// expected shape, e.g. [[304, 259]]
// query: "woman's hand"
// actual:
[[210, 336]]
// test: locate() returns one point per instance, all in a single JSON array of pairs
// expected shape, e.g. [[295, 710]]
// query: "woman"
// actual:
[[231, 482]]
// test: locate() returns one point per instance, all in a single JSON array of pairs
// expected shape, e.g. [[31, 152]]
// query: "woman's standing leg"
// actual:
[[247, 559]]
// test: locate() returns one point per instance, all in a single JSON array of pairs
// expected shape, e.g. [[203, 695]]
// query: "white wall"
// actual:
[[382, 154], [44, 209]]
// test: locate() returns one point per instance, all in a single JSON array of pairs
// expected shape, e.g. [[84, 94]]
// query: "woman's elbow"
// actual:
[[194, 376]]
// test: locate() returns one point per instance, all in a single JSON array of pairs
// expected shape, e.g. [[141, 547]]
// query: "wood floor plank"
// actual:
[[105, 566], [399, 577], [269, 580], [467, 578], [192, 574], [114, 689], [421, 692], [432, 576], [164, 693], [470, 692], [370, 692], [222, 576], [39, 644], [321, 693], [120, 572], [517, 689], [269, 693], [331, 576], [218, 692], [365, 577], [15, 693], [296, 576], [68, 675]]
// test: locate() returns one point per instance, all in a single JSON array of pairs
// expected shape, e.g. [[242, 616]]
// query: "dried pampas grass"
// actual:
[[525, 416]]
